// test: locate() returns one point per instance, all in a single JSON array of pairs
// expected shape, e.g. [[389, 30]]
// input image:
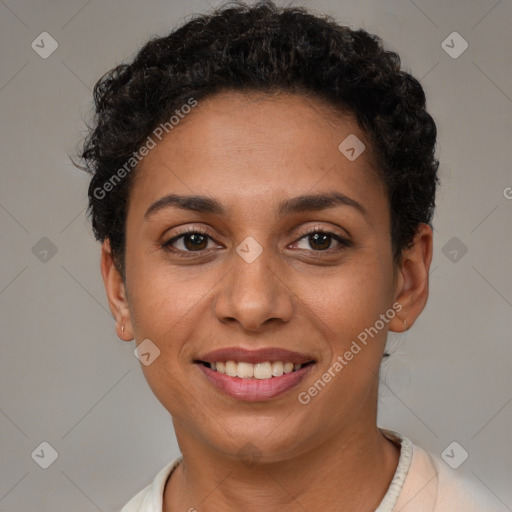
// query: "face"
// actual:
[[258, 264]]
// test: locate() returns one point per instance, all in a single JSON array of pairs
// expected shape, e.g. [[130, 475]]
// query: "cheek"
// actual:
[[351, 299], [161, 312], [166, 305], [173, 391], [163, 298]]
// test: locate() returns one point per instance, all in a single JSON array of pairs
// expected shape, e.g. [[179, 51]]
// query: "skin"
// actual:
[[251, 151]]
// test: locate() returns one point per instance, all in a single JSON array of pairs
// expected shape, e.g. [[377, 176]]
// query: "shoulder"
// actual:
[[457, 491], [150, 499], [432, 486]]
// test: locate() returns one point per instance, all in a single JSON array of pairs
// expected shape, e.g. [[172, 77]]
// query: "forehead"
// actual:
[[255, 146], [233, 123]]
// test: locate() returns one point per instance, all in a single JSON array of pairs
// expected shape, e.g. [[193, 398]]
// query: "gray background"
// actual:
[[66, 379]]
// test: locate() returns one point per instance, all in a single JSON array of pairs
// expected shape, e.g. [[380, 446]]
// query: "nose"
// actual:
[[253, 294]]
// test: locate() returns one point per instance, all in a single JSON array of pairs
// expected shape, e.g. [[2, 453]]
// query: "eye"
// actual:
[[191, 240], [320, 240], [194, 240]]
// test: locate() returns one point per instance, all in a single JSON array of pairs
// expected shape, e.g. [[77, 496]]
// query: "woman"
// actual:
[[263, 185]]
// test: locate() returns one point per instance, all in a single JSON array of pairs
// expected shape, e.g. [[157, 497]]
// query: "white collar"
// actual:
[[150, 499]]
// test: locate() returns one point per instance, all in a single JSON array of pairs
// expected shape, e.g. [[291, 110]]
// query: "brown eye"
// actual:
[[195, 241], [188, 241], [320, 241]]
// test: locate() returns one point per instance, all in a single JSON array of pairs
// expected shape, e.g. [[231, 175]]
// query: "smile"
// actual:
[[254, 388], [264, 370]]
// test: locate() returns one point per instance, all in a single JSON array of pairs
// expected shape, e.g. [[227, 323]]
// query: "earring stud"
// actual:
[[122, 328]]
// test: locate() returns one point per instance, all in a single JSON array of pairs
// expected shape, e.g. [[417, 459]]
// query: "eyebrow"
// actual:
[[303, 203]]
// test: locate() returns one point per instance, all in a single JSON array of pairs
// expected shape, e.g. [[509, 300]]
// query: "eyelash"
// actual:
[[167, 246]]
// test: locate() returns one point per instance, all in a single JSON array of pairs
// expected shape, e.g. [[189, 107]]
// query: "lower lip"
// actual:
[[253, 390]]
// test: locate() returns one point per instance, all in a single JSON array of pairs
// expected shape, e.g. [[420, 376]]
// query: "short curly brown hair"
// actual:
[[263, 47]]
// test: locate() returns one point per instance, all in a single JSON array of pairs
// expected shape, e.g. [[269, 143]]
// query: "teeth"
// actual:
[[245, 370], [261, 371], [231, 368], [277, 369]]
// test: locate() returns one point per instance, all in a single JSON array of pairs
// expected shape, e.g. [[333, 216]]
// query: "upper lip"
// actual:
[[271, 354]]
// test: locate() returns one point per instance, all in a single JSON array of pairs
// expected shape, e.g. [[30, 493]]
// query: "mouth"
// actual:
[[263, 370], [254, 375]]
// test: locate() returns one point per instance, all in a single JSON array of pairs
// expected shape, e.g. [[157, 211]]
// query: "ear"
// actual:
[[116, 293], [411, 288]]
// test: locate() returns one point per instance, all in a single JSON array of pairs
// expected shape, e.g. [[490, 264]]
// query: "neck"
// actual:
[[354, 468]]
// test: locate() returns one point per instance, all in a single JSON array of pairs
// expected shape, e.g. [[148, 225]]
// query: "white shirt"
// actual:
[[421, 483]]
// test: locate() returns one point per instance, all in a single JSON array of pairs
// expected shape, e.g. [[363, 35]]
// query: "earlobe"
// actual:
[[116, 293], [412, 285]]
